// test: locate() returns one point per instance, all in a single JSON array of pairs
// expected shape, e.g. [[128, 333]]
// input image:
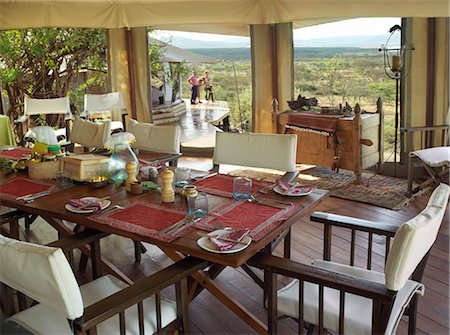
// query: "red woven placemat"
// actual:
[[144, 218], [20, 186], [16, 153], [222, 185], [258, 217]]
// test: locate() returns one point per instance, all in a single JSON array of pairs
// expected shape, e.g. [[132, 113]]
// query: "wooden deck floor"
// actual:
[[208, 316]]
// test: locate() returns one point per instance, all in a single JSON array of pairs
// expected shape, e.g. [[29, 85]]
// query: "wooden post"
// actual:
[[275, 112], [357, 133], [380, 112]]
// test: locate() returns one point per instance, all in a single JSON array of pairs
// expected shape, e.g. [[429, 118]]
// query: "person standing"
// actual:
[[208, 86], [193, 81]]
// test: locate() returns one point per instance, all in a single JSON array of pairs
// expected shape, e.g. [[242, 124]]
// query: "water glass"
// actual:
[[62, 179], [182, 176], [198, 204], [242, 188]]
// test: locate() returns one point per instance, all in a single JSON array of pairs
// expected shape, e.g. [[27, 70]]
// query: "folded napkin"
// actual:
[[294, 188], [94, 205], [227, 239]]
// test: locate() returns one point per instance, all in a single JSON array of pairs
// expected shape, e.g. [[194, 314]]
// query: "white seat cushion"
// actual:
[[42, 320], [358, 310], [434, 157]]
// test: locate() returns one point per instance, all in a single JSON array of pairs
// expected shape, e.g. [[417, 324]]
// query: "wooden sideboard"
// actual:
[[359, 142]]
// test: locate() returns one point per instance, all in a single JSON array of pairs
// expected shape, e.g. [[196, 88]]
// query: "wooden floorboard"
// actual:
[[208, 316]]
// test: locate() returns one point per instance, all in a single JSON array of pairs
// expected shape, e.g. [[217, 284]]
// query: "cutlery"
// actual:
[[31, 197], [110, 209], [189, 217], [267, 189], [272, 203], [205, 177]]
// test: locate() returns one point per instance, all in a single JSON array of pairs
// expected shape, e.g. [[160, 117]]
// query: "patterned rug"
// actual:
[[378, 190]]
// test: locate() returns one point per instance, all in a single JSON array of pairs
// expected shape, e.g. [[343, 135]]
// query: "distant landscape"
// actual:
[[373, 41], [300, 53], [333, 75]]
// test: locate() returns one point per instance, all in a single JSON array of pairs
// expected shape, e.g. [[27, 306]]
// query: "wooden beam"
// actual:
[[130, 61]]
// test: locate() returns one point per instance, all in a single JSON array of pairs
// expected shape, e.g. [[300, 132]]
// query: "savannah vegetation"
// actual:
[[332, 75]]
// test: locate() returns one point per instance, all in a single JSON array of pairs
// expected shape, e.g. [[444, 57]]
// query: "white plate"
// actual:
[[295, 191], [204, 243], [70, 208]]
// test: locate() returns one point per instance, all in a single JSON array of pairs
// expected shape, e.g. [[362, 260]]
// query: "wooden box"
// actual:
[[84, 167], [43, 170]]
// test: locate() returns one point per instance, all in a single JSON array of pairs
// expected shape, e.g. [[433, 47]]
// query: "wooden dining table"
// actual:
[[52, 208]]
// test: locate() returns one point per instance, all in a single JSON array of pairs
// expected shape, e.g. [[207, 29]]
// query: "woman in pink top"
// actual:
[[193, 81]]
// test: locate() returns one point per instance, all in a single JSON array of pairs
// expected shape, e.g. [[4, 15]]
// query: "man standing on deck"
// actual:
[[193, 81]]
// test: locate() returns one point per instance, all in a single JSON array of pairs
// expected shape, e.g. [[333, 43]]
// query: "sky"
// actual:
[[353, 27]]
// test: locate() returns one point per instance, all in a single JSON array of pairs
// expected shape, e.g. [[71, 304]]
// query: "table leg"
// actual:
[[215, 290], [106, 265]]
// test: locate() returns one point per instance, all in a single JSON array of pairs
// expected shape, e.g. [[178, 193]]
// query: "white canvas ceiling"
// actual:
[[216, 16]]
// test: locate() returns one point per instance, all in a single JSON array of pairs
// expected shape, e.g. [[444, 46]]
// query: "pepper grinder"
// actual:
[[131, 171], [167, 192]]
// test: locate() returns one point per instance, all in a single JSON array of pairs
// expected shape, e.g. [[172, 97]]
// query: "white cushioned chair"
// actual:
[[355, 300], [44, 274], [90, 134], [164, 139], [109, 105], [269, 151], [59, 108], [428, 148]]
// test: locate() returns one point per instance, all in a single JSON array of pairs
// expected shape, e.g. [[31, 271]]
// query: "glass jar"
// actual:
[[120, 157]]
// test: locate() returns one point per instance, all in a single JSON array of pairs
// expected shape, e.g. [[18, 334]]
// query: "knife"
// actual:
[[187, 218]]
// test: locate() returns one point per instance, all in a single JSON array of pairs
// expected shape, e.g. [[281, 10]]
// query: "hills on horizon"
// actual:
[[374, 41]]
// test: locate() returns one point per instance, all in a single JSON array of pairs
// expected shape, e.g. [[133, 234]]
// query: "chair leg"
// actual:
[[410, 176], [139, 249], [412, 315], [287, 245]]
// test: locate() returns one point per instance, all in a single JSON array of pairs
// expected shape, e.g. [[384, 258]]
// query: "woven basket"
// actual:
[[43, 170]]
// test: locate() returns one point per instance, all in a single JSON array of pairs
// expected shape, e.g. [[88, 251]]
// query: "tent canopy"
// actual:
[[172, 54], [214, 16]]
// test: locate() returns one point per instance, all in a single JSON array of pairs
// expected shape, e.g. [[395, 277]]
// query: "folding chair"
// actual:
[[346, 299], [163, 139], [428, 148], [91, 135], [109, 105], [56, 112], [103, 306], [269, 151]]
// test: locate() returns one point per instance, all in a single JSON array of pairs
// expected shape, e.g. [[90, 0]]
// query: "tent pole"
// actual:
[[130, 57]]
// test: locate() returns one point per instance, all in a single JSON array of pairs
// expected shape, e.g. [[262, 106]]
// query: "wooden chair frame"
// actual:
[[383, 298], [176, 274]]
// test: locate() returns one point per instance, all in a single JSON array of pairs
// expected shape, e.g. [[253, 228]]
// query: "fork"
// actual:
[[273, 203], [117, 206]]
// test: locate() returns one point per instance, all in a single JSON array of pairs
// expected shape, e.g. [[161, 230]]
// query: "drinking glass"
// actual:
[[182, 176], [198, 204], [242, 188], [62, 179]]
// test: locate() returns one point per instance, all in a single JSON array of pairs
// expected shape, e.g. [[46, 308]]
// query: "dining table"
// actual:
[[144, 217]]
